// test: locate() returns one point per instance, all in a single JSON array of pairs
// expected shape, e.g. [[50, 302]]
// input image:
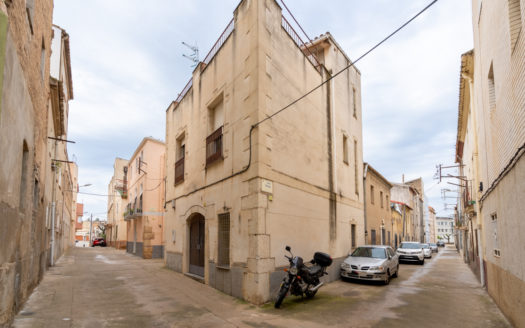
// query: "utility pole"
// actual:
[[90, 228]]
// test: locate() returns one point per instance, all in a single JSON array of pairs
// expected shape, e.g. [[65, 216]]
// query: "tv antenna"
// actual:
[[194, 56]]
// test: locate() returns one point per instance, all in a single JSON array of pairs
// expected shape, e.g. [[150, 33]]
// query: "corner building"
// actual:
[[239, 189]]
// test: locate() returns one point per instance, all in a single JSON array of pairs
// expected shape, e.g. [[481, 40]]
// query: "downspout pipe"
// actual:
[[364, 199]]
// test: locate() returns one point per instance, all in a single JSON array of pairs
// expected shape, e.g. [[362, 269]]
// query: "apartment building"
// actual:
[[445, 229], [379, 226], [241, 185], [144, 211], [399, 212], [410, 203], [490, 144], [432, 225], [116, 228]]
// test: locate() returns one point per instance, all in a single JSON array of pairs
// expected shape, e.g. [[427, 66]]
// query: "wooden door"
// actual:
[[197, 246]]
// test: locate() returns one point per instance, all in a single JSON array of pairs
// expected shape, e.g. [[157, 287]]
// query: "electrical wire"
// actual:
[[347, 67], [299, 99]]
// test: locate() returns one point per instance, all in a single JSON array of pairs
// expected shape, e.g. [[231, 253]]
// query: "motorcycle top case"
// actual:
[[322, 259]]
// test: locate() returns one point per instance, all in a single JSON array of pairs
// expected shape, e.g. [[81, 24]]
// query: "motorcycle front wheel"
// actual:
[[282, 295]]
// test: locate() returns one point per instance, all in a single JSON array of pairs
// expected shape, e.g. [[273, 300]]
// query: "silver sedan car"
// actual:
[[371, 262], [427, 250]]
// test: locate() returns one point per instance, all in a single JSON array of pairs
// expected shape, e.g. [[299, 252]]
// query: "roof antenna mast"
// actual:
[[194, 56]]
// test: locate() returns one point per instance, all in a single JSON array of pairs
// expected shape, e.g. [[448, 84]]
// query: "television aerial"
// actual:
[[194, 56]]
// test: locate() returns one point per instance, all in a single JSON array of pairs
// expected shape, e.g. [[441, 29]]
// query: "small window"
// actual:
[[29, 12], [356, 170], [494, 223], [354, 101], [371, 194], [215, 127], [514, 22], [353, 235], [492, 88], [224, 240], [23, 176], [345, 149], [373, 236], [387, 203], [179, 163], [381, 199]]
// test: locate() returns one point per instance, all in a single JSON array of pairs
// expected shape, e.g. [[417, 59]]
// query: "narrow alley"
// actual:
[[109, 288]]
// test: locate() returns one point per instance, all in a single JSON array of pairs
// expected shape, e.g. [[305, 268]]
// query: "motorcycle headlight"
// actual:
[[376, 268], [293, 270]]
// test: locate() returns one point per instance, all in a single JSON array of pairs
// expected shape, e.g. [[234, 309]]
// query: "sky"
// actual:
[[127, 66]]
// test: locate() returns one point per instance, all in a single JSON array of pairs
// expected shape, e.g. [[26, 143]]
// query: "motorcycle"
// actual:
[[303, 279]]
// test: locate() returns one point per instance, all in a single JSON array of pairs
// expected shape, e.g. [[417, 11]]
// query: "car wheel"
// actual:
[[397, 271], [387, 278], [422, 262]]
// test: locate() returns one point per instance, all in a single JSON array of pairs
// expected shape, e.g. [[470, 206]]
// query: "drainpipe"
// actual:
[[53, 209], [364, 199]]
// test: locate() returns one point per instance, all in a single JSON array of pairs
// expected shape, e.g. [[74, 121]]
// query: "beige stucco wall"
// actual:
[[148, 182], [378, 214], [117, 233], [258, 71]]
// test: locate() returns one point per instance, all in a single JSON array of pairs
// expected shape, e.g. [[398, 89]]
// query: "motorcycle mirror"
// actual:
[[288, 248]]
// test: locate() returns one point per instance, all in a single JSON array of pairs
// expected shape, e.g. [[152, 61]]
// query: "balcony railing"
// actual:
[[300, 43], [214, 146], [179, 171], [134, 210]]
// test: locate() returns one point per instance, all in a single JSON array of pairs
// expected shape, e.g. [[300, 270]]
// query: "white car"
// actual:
[[371, 262], [411, 251], [427, 251]]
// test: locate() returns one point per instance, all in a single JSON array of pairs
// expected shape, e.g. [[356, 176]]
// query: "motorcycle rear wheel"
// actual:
[[280, 298]]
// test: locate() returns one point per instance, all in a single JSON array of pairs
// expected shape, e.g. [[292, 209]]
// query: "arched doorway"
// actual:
[[196, 229]]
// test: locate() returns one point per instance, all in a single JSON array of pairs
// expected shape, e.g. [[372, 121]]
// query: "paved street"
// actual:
[[104, 287]]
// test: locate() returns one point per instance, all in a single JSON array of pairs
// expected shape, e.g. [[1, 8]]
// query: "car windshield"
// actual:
[[377, 253], [425, 245], [410, 245], [432, 244]]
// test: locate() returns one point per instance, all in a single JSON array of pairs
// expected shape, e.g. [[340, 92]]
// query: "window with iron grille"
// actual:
[[224, 240], [214, 146], [373, 237]]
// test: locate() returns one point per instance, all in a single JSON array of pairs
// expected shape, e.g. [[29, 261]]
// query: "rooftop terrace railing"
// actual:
[[211, 54], [300, 43]]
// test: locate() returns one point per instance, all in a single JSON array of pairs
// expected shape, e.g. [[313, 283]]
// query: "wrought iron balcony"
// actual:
[[214, 147]]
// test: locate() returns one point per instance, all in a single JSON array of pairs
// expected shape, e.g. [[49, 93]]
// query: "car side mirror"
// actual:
[[288, 248]]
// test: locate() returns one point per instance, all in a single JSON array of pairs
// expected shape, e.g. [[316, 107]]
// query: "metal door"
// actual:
[[197, 246]]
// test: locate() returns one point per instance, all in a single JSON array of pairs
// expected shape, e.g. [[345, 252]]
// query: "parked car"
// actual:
[[440, 243], [427, 251], [434, 247], [411, 251], [99, 242], [371, 262]]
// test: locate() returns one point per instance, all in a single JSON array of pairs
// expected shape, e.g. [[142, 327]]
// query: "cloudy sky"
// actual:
[[127, 67]]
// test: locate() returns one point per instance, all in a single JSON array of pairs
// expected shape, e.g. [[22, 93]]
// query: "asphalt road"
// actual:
[[104, 287]]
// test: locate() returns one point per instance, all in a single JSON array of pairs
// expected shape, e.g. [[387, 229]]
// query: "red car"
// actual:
[[99, 242]]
